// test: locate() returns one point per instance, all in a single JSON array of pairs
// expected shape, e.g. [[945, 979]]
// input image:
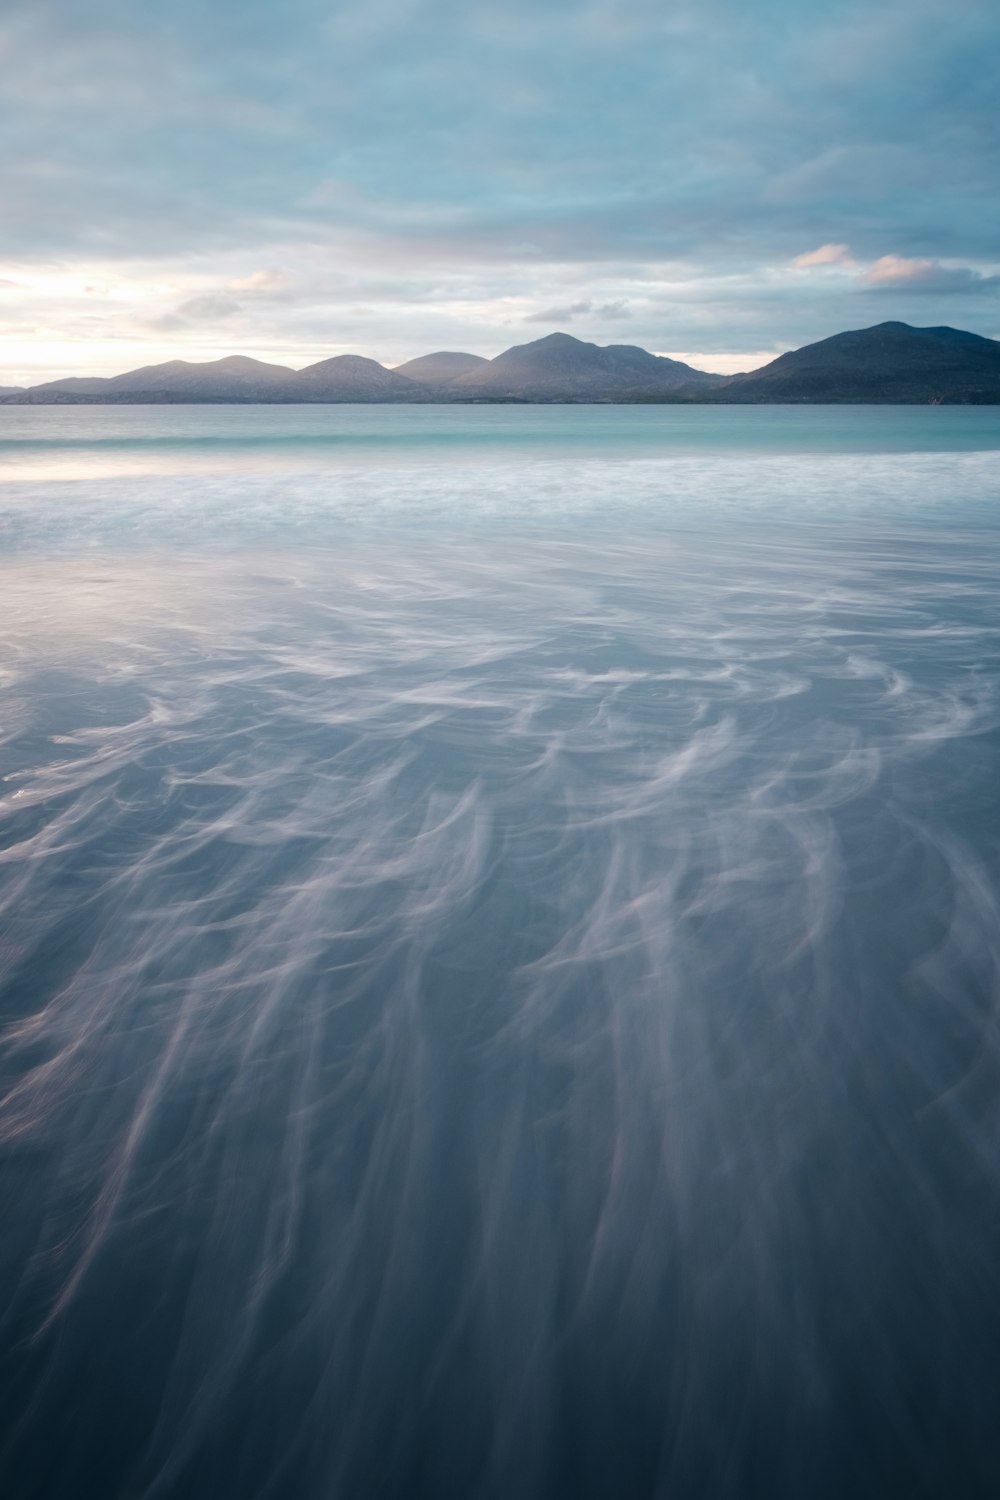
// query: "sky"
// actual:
[[719, 180]]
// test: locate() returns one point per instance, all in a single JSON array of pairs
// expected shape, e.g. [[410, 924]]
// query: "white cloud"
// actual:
[[898, 268], [826, 255], [261, 281]]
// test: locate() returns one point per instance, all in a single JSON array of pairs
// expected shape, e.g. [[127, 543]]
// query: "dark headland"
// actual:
[[890, 363]]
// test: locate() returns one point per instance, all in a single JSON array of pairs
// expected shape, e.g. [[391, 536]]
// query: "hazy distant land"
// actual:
[[889, 363]]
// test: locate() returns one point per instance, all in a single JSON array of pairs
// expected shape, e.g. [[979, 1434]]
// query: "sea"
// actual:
[[499, 953]]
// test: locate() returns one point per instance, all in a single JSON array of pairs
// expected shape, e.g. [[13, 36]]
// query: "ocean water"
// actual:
[[499, 954]]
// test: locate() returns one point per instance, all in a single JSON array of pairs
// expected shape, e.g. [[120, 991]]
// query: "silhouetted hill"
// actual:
[[235, 378], [350, 377], [891, 362], [441, 368], [346, 377], [562, 368], [10, 390]]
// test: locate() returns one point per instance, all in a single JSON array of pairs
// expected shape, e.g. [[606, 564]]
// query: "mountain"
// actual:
[[441, 368], [11, 390], [891, 362], [562, 368], [349, 377], [346, 377], [235, 378]]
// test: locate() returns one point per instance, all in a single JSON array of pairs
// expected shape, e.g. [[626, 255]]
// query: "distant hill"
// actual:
[[349, 377], [235, 378], [10, 390], [891, 362], [562, 368], [441, 368], [346, 377]]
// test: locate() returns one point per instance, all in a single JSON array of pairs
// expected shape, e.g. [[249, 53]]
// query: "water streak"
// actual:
[[502, 1010]]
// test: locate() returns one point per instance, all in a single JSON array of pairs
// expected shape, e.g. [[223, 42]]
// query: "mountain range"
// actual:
[[891, 362]]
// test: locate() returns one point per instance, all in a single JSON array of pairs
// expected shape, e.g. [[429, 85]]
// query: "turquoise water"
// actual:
[[64, 441], [501, 953]]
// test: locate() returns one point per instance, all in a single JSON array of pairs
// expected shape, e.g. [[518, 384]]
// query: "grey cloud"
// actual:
[[559, 314], [168, 323], [896, 274], [209, 307], [578, 309]]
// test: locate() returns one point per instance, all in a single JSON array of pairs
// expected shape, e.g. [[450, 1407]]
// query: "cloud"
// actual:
[[572, 310], [210, 306], [905, 274], [826, 255], [168, 323], [261, 281], [206, 308], [894, 268], [850, 177], [564, 314], [454, 168]]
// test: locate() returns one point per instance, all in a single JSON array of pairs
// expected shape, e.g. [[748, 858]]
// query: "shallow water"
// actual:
[[500, 961], [70, 442]]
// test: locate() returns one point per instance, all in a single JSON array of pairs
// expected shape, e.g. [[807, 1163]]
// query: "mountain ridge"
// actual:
[[888, 362], [442, 367], [559, 367]]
